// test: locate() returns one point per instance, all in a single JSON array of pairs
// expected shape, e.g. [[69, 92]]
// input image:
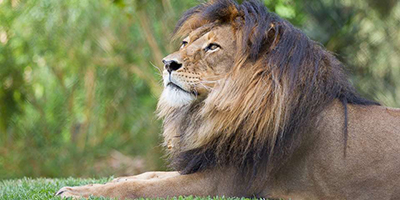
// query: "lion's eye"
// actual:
[[212, 47], [184, 43]]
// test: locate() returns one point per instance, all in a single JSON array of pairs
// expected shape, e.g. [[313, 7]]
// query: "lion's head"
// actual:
[[204, 57], [244, 87]]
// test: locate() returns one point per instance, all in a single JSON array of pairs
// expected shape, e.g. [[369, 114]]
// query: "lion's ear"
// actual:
[[222, 11], [234, 13]]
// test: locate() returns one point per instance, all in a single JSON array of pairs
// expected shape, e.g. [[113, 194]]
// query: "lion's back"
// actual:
[[372, 158]]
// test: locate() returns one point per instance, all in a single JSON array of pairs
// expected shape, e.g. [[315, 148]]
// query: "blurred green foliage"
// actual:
[[79, 79]]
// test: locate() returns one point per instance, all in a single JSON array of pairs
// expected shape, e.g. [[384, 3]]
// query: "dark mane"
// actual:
[[288, 79]]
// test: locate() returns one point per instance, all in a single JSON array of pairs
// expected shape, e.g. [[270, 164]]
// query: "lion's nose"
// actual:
[[171, 65]]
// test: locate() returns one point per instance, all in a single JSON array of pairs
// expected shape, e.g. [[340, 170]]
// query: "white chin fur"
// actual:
[[175, 97]]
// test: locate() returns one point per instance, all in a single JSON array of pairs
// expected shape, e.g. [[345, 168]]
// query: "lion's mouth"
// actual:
[[173, 85]]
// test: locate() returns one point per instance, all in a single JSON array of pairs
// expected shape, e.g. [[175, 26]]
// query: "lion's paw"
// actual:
[[80, 191], [67, 192]]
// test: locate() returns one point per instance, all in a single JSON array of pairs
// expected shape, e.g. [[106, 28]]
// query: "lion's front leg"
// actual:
[[147, 176], [198, 184], [99, 190]]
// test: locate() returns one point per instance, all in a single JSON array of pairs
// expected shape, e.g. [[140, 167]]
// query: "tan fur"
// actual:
[[318, 171], [248, 131]]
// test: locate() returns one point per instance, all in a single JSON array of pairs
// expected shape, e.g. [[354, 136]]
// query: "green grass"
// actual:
[[43, 188]]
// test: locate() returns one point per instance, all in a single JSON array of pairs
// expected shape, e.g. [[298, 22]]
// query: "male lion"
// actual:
[[254, 108]]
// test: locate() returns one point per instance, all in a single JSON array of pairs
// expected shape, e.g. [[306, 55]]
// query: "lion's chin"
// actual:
[[175, 97]]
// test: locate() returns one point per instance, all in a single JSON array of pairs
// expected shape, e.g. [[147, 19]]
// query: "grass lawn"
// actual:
[[42, 188]]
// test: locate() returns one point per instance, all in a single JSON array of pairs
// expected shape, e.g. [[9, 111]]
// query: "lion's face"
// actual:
[[204, 57]]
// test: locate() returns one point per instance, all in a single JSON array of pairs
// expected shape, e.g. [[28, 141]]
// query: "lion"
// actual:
[[253, 108]]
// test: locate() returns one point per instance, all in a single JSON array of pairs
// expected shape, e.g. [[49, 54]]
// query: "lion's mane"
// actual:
[[257, 115]]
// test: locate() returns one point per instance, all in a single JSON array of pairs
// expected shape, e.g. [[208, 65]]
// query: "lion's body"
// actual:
[[370, 169], [252, 107]]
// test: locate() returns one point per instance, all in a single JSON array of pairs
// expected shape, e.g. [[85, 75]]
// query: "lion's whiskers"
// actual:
[[206, 87], [208, 81], [158, 69]]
